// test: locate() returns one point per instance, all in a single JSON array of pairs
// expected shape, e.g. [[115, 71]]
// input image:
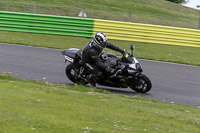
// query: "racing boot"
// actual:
[[91, 80]]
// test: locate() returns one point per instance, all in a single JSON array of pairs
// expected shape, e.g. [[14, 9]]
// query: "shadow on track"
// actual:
[[123, 91]]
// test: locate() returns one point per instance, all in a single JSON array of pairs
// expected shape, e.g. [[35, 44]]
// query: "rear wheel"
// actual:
[[142, 85], [72, 71]]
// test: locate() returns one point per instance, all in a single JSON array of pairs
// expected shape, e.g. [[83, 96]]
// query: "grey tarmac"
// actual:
[[173, 83]]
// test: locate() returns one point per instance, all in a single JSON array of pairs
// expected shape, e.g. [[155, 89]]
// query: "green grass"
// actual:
[[168, 53], [159, 12], [30, 106]]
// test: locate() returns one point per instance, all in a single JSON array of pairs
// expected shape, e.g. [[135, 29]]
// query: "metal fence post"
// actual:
[[199, 16], [35, 8], [174, 22], [199, 20], [129, 17]]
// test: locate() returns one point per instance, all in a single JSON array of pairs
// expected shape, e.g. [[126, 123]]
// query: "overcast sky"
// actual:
[[193, 3]]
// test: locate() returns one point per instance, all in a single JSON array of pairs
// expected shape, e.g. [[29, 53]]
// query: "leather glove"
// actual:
[[123, 51]]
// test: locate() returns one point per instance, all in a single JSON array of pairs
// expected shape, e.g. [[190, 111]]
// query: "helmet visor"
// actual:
[[103, 44]]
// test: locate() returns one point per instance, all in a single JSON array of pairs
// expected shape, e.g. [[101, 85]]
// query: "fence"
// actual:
[[148, 33], [47, 24], [133, 16], [84, 27]]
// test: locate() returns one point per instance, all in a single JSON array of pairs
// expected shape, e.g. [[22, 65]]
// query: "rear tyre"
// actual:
[[142, 84], [72, 71]]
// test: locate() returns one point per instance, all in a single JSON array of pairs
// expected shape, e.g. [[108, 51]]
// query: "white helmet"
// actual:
[[99, 40]]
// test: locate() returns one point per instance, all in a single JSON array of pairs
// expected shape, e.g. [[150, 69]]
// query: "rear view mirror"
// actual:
[[132, 47]]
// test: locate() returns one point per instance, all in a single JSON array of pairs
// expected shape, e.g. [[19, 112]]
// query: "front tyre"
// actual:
[[72, 72], [142, 84]]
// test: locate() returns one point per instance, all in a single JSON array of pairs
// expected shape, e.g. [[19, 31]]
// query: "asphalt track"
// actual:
[[174, 83]]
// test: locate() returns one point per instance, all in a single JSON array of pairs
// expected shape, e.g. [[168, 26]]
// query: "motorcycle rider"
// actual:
[[91, 59]]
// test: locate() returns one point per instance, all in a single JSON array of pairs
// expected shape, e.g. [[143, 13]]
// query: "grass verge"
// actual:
[[159, 52], [32, 106]]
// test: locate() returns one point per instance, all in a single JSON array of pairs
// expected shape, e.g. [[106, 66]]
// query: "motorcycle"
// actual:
[[128, 70]]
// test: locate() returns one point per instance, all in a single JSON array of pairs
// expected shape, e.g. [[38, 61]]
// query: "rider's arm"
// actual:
[[102, 66], [96, 59], [114, 47]]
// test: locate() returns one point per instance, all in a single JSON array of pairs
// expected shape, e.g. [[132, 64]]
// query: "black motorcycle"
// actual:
[[128, 74]]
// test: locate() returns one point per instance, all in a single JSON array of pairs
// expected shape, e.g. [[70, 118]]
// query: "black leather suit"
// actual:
[[91, 59]]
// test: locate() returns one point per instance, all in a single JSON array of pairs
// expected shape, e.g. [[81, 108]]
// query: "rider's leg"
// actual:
[[96, 74]]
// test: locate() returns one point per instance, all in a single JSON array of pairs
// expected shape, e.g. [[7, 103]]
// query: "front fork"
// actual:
[[134, 77]]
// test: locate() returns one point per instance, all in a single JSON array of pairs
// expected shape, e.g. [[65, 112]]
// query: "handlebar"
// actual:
[[127, 58]]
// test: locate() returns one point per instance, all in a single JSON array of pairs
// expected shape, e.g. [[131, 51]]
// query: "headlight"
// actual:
[[138, 67]]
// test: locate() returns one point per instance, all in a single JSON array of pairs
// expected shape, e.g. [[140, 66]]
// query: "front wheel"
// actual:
[[72, 71], [142, 84]]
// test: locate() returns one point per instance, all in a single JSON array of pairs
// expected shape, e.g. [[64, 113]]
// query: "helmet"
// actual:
[[99, 40]]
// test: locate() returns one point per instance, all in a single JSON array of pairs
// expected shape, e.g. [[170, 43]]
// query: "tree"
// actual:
[[178, 1]]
